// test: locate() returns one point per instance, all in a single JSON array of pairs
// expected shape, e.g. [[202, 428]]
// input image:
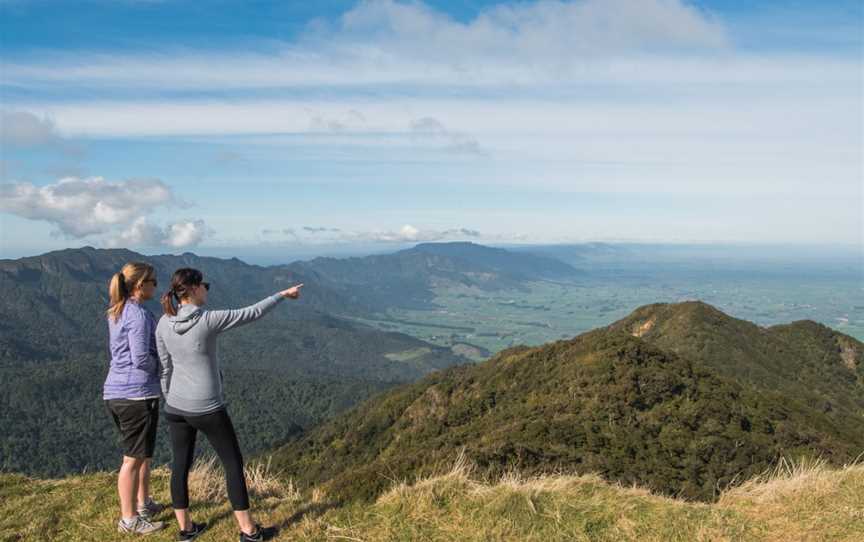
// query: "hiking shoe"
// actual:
[[197, 528], [261, 533], [150, 509], [140, 526]]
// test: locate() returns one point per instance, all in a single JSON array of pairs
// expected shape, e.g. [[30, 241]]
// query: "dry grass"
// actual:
[[802, 500], [785, 480], [207, 482], [461, 475]]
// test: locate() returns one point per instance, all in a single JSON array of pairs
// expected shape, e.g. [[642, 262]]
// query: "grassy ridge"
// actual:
[[797, 502]]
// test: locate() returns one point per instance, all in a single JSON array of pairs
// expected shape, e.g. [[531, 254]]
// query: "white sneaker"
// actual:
[[140, 526]]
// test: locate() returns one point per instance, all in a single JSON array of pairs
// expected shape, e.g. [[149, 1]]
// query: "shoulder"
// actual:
[[138, 315], [134, 311], [207, 316]]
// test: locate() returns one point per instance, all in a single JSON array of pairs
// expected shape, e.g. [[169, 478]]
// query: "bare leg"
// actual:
[[244, 520], [127, 486], [183, 520], [144, 481]]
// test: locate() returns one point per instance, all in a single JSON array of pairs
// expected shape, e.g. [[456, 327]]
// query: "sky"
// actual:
[[230, 127]]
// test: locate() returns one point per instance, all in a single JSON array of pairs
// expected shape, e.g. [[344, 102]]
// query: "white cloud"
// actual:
[[319, 229], [428, 129], [82, 207], [528, 32], [408, 43], [185, 234], [142, 233], [337, 123], [139, 233], [24, 129], [407, 233]]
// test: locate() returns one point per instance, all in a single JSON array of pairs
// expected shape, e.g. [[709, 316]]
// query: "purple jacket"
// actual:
[[134, 372]]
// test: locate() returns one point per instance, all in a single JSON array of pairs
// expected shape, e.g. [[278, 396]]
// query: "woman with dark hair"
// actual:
[[192, 386], [131, 392]]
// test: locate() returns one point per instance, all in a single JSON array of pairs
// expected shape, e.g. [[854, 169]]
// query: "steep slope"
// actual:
[[604, 402]]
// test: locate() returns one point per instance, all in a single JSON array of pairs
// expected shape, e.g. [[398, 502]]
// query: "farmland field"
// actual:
[[765, 294]]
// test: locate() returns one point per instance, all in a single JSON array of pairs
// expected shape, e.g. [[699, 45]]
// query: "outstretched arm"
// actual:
[[229, 319]]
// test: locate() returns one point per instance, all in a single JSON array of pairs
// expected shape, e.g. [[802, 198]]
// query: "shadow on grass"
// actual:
[[312, 509]]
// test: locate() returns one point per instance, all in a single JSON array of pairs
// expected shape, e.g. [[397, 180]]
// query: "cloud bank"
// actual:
[[407, 233], [82, 207], [24, 129], [176, 235], [388, 42]]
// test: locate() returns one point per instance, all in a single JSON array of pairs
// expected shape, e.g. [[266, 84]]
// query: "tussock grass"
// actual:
[[803, 500], [207, 482], [786, 479]]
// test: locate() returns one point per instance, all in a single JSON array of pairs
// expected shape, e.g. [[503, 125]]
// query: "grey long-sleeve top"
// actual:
[[191, 379]]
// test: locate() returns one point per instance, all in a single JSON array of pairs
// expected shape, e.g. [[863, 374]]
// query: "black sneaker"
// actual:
[[261, 533], [197, 528]]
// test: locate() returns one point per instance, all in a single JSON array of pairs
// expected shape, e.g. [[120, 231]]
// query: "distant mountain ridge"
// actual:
[[406, 278], [608, 401], [52, 306], [65, 291]]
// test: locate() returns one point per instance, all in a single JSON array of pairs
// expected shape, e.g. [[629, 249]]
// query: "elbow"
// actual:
[[144, 363]]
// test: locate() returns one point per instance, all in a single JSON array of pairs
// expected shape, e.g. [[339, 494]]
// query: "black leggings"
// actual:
[[219, 430]]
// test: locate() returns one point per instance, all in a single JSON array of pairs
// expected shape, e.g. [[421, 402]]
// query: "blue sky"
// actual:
[[176, 125]]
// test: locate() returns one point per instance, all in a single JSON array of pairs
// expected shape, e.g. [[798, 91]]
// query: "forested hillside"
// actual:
[[607, 402]]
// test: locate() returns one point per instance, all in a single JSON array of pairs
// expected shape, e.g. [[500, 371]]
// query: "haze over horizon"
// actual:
[[358, 127]]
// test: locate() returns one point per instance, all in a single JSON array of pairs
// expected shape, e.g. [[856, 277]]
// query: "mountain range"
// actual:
[[680, 398]]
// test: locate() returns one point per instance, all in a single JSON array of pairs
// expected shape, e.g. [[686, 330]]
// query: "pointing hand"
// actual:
[[292, 292]]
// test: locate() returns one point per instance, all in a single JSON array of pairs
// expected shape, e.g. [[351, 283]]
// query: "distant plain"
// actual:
[[765, 285]]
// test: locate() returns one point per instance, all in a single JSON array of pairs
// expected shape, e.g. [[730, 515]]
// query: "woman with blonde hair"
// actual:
[[131, 392]]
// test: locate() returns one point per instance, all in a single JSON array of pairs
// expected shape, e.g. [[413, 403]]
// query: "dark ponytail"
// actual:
[[167, 301], [182, 282]]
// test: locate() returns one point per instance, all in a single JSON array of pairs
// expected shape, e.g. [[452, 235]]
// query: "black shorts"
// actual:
[[136, 420]]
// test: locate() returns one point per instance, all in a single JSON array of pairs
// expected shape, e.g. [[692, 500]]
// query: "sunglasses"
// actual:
[[206, 285], [154, 281]]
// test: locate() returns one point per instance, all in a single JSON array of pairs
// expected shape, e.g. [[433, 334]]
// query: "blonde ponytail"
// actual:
[[124, 283]]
